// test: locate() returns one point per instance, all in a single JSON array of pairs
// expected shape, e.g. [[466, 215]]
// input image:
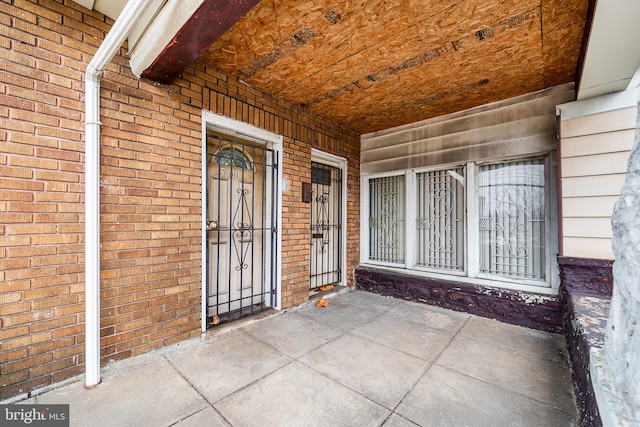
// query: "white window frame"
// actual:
[[471, 273]]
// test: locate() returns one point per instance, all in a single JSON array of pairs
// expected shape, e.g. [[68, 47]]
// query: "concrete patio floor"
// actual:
[[365, 360]]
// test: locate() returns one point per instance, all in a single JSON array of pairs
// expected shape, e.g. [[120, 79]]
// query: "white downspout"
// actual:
[[132, 11]]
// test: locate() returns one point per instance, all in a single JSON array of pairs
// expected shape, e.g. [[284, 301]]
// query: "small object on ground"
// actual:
[[214, 320], [326, 287], [322, 303]]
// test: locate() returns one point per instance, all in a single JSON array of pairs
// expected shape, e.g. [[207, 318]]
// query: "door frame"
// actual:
[[339, 163], [273, 142]]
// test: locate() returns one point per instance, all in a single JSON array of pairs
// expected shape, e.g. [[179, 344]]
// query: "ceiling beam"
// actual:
[[210, 21]]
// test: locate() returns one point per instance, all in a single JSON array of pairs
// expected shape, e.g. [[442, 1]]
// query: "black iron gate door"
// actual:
[[326, 225], [241, 229]]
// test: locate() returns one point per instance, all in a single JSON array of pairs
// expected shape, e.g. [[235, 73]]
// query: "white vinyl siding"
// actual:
[[520, 127], [594, 152]]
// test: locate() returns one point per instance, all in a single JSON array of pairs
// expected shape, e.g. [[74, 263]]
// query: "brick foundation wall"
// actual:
[[150, 189], [518, 308], [585, 322], [587, 286], [586, 275]]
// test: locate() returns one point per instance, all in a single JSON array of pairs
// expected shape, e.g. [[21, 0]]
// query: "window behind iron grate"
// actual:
[[503, 235], [440, 212], [387, 219]]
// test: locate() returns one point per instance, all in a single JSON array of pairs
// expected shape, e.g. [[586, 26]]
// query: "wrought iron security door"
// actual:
[[326, 225], [241, 227]]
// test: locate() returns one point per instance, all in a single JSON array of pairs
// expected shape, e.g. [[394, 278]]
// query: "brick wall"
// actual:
[[150, 188]]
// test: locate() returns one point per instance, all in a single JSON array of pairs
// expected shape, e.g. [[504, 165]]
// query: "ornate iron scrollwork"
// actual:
[[243, 228], [321, 226]]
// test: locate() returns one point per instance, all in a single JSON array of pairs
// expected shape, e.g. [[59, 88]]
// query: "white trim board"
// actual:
[[597, 105]]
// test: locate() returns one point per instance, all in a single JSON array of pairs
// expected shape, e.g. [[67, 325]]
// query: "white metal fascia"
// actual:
[[159, 33], [85, 3], [613, 52], [600, 104], [110, 8]]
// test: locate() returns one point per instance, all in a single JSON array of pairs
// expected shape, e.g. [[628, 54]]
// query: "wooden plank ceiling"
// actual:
[[374, 64]]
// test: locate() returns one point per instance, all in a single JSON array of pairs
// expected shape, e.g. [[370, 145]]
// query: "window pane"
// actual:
[[386, 219], [232, 157], [512, 219], [440, 219]]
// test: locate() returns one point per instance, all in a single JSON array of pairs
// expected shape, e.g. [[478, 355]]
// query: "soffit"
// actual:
[[371, 65]]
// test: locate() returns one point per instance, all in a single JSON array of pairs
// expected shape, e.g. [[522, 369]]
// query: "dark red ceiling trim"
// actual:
[[208, 23], [586, 35]]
